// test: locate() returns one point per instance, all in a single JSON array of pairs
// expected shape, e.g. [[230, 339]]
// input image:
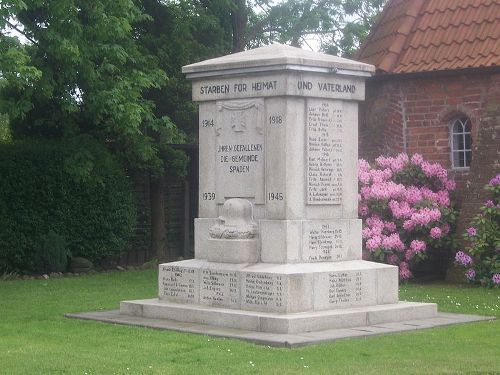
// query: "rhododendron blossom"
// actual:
[[489, 204], [496, 278], [470, 274], [417, 246], [404, 271], [393, 242], [463, 258], [495, 180], [417, 159], [404, 214], [436, 232], [471, 231]]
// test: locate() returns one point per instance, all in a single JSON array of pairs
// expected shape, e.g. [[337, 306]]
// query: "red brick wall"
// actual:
[[424, 106], [381, 121]]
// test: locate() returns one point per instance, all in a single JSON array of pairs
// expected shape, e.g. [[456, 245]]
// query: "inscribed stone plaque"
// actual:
[[179, 284], [341, 289], [263, 292], [324, 241], [324, 144], [219, 288], [268, 85], [240, 150]]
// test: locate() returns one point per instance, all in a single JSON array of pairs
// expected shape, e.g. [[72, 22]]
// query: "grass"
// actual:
[[35, 337]]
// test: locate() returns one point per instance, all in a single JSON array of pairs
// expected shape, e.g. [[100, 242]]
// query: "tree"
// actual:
[[83, 70], [178, 33], [85, 73], [339, 25]]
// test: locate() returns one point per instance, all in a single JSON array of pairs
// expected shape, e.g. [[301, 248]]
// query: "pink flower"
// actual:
[[383, 190], [434, 170], [363, 210], [375, 221], [471, 231], [379, 176], [436, 232], [397, 165], [409, 255], [363, 165], [425, 215], [374, 243], [495, 180], [417, 159], [463, 259], [418, 246], [403, 158], [443, 198], [383, 161], [413, 195], [400, 210], [364, 177], [404, 271], [393, 242], [450, 185], [470, 274], [496, 278], [489, 204], [390, 226], [408, 225]]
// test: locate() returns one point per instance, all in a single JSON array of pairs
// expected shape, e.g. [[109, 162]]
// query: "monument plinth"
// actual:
[[278, 241]]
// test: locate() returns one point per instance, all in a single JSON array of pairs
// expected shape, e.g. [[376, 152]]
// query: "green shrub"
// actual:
[[481, 258], [52, 253], [74, 189]]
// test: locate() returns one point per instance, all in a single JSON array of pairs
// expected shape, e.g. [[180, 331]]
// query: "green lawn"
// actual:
[[35, 337]]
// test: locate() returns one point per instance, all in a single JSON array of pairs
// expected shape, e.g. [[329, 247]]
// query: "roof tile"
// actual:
[[429, 35]]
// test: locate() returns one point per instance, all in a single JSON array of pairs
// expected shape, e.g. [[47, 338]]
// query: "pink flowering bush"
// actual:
[[481, 259], [406, 209]]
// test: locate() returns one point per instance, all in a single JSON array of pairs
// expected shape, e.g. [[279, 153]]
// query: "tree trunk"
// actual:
[[239, 19], [159, 249]]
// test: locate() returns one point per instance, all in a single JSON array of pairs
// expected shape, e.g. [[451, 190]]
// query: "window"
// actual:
[[461, 142]]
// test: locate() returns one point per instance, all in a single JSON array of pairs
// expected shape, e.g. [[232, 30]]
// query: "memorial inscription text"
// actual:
[[345, 288], [239, 158], [325, 243], [262, 289], [179, 283], [219, 287], [324, 152]]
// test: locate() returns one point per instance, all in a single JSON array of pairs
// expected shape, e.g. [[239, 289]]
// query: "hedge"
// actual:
[[70, 196]]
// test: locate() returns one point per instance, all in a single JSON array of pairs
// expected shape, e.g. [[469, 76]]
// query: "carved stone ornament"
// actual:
[[238, 117], [236, 221]]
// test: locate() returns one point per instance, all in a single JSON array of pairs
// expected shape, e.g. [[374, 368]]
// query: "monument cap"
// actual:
[[277, 57]]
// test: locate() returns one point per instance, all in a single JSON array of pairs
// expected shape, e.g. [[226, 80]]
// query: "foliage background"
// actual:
[[76, 190]]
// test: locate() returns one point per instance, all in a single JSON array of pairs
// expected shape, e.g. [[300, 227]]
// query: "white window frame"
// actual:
[[460, 126]]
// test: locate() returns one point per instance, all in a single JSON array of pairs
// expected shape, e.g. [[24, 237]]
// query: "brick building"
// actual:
[[436, 90]]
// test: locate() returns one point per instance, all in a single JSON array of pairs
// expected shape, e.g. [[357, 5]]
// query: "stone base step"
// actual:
[[276, 322], [278, 288], [287, 340]]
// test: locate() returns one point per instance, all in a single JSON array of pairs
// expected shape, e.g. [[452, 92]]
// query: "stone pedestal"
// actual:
[[278, 241]]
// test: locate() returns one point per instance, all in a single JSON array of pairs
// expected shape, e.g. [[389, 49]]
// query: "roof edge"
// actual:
[[380, 77], [390, 61]]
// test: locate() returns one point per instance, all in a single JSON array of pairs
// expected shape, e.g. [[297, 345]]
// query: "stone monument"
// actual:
[[278, 241]]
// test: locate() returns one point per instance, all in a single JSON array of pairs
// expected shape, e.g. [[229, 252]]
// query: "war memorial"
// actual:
[[278, 250]]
